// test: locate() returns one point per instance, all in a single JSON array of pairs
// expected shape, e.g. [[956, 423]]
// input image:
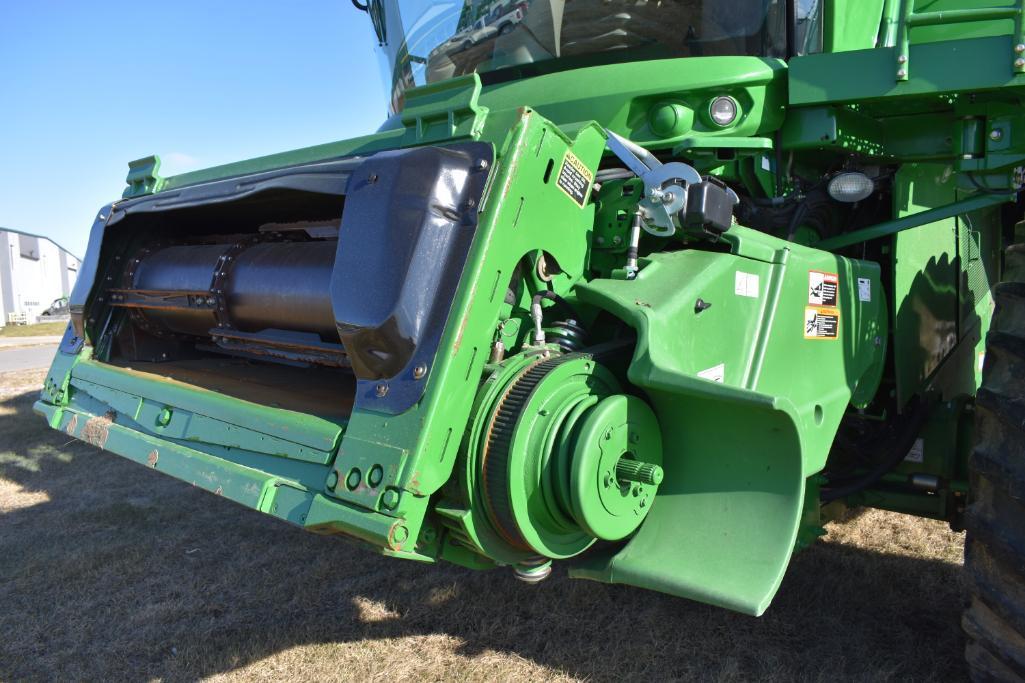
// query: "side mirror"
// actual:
[[376, 12]]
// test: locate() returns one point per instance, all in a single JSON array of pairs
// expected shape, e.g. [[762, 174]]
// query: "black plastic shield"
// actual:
[[410, 216]]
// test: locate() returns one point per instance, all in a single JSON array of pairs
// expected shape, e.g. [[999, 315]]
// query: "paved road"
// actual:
[[26, 357], [6, 342]]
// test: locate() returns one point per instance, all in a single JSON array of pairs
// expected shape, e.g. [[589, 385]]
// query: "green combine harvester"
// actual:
[[650, 289]]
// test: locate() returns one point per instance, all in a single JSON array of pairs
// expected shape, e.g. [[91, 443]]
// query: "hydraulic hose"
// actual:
[[901, 445]]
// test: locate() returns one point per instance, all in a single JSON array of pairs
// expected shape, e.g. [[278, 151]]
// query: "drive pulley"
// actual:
[[560, 457]]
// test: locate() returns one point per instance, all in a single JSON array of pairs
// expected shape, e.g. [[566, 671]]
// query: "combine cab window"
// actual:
[[809, 26], [424, 42]]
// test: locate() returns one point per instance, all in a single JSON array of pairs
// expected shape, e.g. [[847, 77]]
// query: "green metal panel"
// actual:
[[865, 75], [738, 451], [925, 276]]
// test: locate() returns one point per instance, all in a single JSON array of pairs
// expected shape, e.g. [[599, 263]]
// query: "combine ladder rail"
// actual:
[[899, 17]]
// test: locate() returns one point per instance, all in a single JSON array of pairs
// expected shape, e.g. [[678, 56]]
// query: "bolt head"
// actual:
[[381, 390], [1019, 48], [901, 73], [390, 499], [419, 371], [996, 135], [903, 59], [1019, 62], [482, 164]]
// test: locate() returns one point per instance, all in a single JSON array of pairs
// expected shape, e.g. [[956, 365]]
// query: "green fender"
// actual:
[[748, 405]]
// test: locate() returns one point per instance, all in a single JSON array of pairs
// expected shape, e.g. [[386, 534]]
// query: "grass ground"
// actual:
[[111, 571], [37, 330]]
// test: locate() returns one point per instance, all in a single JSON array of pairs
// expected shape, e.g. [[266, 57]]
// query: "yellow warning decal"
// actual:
[[821, 322], [574, 178]]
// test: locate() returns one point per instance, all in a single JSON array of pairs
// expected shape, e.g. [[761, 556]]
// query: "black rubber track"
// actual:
[[994, 621]]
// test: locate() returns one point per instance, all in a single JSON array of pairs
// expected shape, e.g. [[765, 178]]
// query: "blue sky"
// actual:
[[85, 87]]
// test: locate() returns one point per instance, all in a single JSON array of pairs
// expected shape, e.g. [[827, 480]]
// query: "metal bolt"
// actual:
[[617, 240], [901, 73], [1019, 48], [997, 134], [482, 164], [903, 59], [419, 371], [1019, 62], [164, 418], [600, 240], [372, 178], [390, 499], [382, 390], [400, 534]]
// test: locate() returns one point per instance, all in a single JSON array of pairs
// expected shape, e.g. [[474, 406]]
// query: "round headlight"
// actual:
[[723, 110], [850, 187]]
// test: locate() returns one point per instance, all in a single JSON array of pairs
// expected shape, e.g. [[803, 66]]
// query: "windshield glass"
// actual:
[[423, 41]]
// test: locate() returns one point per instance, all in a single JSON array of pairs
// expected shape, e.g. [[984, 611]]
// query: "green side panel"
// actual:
[[657, 102], [979, 252], [866, 75], [851, 24], [523, 211], [634, 99], [201, 415], [925, 276], [749, 400]]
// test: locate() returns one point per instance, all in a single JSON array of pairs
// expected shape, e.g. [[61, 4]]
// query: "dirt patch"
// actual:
[[112, 570]]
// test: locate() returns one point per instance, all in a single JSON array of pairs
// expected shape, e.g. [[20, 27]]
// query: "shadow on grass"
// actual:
[[114, 571]]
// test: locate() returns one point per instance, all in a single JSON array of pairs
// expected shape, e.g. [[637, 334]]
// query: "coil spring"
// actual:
[[568, 334]]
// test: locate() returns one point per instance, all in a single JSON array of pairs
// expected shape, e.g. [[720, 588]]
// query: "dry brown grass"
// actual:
[[111, 571]]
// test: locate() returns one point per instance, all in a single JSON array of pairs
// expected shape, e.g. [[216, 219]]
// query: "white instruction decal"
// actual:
[[715, 374], [864, 289], [917, 452], [746, 284]]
